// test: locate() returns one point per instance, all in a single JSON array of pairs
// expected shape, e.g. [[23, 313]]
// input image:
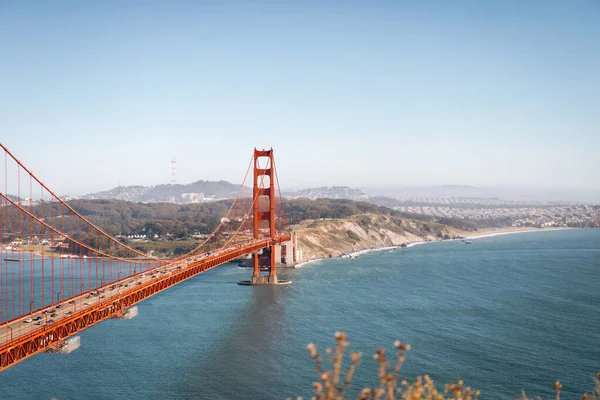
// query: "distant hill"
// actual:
[[193, 192], [334, 192], [508, 192], [432, 191], [342, 193], [13, 197]]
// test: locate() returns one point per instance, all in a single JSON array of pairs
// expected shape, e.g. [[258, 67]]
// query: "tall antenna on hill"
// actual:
[[173, 169]]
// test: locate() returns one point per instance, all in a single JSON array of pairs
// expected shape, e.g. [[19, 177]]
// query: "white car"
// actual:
[[28, 320], [87, 303]]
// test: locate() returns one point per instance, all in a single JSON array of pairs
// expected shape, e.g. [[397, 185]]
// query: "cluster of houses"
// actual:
[[57, 243]]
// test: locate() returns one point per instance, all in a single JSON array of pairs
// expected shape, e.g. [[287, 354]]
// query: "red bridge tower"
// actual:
[[264, 210]]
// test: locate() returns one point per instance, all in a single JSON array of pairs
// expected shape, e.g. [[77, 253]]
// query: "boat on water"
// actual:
[[12, 259], [467, 242]]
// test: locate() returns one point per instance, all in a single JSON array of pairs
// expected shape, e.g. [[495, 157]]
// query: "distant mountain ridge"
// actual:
[[175, 193], [389, 197], [212, 190], [386, 197]]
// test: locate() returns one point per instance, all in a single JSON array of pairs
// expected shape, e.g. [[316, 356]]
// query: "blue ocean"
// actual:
[[505, 314]]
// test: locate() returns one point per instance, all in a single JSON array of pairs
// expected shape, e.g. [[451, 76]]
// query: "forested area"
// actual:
[[126, 218], [179, 221]]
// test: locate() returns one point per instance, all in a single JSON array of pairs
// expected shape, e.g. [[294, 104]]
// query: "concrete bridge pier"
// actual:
[[284, 255], [266, 262]]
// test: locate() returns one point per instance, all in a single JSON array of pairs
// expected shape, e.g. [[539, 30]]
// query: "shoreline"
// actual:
[[484, 233], [508, 231], [314, 260]]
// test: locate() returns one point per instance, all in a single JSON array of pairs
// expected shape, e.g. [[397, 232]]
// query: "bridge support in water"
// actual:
[[264, 211]]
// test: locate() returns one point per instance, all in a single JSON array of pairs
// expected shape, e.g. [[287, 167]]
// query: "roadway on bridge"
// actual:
[[19, 327]]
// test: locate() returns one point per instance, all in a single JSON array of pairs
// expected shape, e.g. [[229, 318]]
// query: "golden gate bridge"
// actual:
[[61, 274]]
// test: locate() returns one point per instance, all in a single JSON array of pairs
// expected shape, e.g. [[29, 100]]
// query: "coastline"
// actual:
[[314, 260], [480, 234], [510, 230]]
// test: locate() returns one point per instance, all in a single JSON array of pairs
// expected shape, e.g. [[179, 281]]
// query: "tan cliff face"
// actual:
[[335, 237]]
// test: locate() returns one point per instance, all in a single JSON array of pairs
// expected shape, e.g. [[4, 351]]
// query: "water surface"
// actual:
[[505, 313]]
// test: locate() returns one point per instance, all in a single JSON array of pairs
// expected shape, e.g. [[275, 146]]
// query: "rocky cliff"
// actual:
[[335, 237]]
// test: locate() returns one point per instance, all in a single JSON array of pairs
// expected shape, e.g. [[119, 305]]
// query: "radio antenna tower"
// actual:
[[173, 169]]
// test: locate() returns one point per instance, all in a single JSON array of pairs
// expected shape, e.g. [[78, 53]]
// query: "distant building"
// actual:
[[192, 197]]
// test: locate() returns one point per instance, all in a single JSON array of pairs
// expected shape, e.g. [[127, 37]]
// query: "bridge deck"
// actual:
[[20, 340]]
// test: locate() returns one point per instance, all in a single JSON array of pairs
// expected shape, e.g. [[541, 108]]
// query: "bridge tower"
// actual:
[[264, 220], [264, 210]]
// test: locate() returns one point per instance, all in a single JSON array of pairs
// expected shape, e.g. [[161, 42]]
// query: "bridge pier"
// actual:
[[286, 253], [265, 262]]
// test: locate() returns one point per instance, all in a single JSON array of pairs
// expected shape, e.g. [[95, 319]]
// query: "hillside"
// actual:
[[325, 226], [183, 220], [336, 237], [118, 217], [177, 193], [342, 193], [333, 192]]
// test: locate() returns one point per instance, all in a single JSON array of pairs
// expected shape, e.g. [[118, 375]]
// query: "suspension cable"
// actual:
[[71, 209]]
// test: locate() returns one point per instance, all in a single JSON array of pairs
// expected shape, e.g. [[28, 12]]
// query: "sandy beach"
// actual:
[[506, 231]]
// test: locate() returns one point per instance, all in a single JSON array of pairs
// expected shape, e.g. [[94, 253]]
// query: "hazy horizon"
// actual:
[[505, 192], [359, 94]]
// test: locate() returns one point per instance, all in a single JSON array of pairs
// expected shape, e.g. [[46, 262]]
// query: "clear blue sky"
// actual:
[[363, 93]]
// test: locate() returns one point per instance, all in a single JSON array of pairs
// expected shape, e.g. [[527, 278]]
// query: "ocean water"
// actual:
[[505, 314]]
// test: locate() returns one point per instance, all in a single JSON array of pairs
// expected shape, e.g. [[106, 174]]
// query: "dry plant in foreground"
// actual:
[[595, 395], [334, 384]]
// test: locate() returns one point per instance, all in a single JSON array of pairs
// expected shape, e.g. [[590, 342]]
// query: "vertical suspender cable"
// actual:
[[52, 243], [42, 238]]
